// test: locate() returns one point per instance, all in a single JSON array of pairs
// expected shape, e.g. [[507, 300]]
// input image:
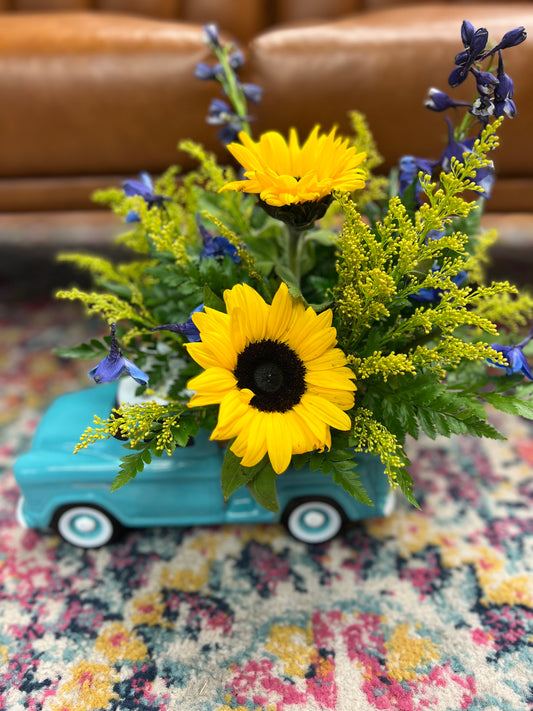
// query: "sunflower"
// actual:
[[287, 174], [275, 372]]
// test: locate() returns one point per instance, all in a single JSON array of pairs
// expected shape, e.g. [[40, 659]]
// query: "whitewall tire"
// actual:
[[314, 520], [85, 526]]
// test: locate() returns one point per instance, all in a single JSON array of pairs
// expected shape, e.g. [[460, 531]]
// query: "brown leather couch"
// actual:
[[93, 91]]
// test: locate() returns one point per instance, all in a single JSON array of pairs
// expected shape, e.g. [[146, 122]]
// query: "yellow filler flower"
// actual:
[[275, 372], [286, 173]]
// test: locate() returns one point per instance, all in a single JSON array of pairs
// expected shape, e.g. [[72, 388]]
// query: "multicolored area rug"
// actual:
[[429, 609]]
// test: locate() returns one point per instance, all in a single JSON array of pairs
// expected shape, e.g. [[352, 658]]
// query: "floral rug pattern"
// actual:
[[429, 609]]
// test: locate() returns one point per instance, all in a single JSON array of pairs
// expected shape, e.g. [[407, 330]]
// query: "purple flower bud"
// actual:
[[114, 364], [229, 133], [144, 188], [467, 32], [513, 37], [219, 112], [482, 107], [187, 329], [478, 43], [474, 42], [216, 246], [434, 294], [485, 81], [211, 36], [503, 94], [458, 75], [236, 59], [409, 168], [252, 92], [440, 101], [514, 355], [484, 177], [204, 71]]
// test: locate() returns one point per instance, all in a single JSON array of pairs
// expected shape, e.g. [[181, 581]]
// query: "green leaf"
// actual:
[[351, 483], [146, 456], [300, 460], [315, 461], [234, 475], [86, 351], [510, 404], [405, 482], [212, 301], [263, 487], [479, 428], [425, 420], [286, 275], [130, 466]]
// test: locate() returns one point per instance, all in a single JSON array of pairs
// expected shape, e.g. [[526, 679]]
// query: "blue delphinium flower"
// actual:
[[438, 100], [434, 294], [488, 85], [231, 115], [206, 72], [409, 168], [211, 36], [221, 114], [474, 42], [484, 177], [145, 189], [510, 39], [114, 364], [216, 246], [252, 92], [503, 93], [514, 355], [187, 329], [486, 82]]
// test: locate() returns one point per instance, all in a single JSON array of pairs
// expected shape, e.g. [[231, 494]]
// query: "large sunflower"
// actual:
[[275, 372], [285, 173]]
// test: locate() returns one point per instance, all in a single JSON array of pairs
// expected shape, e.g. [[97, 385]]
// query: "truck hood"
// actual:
[[69, 416]]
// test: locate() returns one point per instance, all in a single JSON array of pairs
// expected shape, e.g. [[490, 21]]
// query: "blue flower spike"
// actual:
[[515, 357], [220, 113], [474, 42], [503, 93], [211, 37], [510, 39], [484, 177], [113, 365], [187, 329], [409, 168], [216, 247], [438, 100], [143, 188], [432, 295]]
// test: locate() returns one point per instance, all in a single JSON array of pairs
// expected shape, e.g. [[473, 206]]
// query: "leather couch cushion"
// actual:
[[95, 93]]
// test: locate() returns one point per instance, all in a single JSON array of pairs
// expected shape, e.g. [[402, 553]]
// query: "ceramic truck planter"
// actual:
[[71, 492]]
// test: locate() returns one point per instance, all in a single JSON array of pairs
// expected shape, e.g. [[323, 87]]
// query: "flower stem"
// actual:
[[294, 252], [231, 86]]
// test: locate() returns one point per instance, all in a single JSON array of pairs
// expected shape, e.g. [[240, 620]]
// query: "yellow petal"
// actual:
[[213, 383], [326, 411], [280, 313], [279, 435]]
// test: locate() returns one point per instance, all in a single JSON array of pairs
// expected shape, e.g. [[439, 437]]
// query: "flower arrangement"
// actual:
[[299, 306]]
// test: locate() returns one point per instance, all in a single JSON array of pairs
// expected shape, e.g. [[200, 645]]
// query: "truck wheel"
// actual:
[[85, 526], [314, 520]]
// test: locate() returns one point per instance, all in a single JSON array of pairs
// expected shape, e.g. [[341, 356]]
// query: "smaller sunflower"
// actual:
[[276, 374], [294, 182]]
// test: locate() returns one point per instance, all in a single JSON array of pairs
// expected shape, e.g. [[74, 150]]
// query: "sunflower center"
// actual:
[[274, 373]]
